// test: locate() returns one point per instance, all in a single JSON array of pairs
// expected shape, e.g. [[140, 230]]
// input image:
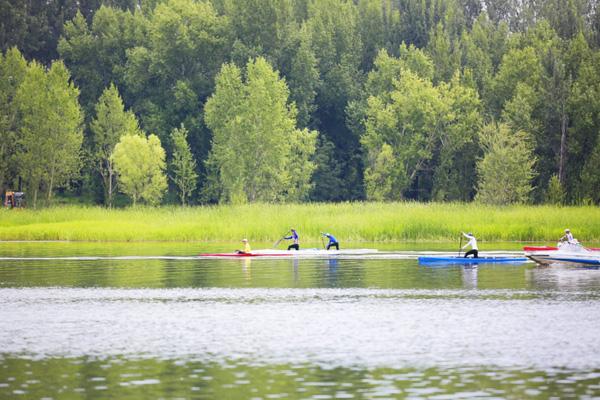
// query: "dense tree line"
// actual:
[[295, 100]]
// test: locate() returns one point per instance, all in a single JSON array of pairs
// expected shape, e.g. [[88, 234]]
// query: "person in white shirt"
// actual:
[[568, 237], [473, 243]]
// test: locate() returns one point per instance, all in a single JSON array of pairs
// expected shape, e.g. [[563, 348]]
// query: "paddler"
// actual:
[[473, 243], [294, 236], [247, 249], [332, 241]]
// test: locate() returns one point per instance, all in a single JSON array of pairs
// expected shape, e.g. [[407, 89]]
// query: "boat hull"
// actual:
[[547, 259], [242, 255], [567, 254], [469, 260], [308, 253]]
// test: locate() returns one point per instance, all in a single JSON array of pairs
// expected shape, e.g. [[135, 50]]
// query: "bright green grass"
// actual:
[[267, 222]]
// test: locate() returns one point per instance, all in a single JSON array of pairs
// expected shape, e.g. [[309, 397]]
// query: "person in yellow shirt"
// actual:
[[247, 249]]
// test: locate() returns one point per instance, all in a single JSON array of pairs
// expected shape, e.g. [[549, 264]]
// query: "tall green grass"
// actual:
[[267, 222]]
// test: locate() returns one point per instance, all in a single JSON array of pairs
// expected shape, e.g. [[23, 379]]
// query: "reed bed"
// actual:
[[373, 222]]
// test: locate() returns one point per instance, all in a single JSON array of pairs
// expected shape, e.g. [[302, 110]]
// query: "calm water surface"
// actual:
[[87, 320]]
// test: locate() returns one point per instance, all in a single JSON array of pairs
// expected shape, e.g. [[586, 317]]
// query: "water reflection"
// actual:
[[469, 276], [151, 378], [295, 273]]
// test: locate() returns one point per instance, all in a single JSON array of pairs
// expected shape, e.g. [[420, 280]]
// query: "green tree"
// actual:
[[328, 183], [111, 123], [445, 57], [140, 163], [555, 193], [410, 123], [335, 38], [257, 153], [304, 80], [183, 165], [454, 175], [590, 179], [96, 52], [482, 50], [584, 109], [171, 73], [381, 176], [379, 26], [506, 169], [519, 66], [12, 71], [260, 27], [50, 133]]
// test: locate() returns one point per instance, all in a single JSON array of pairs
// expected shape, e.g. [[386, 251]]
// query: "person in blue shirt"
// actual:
[[294, 236], [332, 241]]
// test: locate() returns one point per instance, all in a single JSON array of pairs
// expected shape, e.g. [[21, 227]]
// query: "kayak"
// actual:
[[245, 255], [469, 260], [309, 253]]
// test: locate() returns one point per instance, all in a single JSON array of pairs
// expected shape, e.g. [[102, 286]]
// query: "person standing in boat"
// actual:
[[568, 237], [294, 236], [332, 241], [473, 243], [247, 249]]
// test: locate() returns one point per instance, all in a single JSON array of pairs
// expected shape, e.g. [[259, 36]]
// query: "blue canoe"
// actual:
[[469, 260]]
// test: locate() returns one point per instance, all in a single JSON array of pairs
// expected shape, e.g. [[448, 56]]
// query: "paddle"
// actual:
[[460, 246], [322, 241], [279, 241]]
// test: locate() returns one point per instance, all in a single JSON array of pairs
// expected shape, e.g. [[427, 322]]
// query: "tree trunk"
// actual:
[[110, 186], [51, 183], [35, 192], [563, 148]]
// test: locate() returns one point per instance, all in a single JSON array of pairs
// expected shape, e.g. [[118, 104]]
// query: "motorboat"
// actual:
[[571, 253]]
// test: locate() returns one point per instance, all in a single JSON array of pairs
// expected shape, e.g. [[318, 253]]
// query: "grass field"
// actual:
[[378, 222]]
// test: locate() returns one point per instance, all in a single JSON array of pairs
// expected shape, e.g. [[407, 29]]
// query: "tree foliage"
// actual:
[[140, 163], [257, 152], [12, 72], [50, 134], [415, 124], [506, 169], [534, 66], [183, 165], [111, 123]]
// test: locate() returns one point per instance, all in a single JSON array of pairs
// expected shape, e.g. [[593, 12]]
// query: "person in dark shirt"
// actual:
[[294, 236], [332, 241]]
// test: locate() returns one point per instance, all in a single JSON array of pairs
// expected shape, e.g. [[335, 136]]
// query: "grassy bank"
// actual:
[[266, 222]]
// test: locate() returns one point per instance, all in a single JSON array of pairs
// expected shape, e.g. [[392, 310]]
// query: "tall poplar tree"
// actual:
[[50, 134], [183, 165], [111, 123], [12, 71]]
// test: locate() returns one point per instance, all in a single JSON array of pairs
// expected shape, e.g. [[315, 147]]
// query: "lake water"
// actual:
[[121, 320]]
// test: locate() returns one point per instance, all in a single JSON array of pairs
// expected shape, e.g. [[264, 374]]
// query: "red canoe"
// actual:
[[245, 254]]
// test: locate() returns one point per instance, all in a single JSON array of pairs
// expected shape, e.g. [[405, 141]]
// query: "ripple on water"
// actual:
[[64, 377], [394, 328]]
